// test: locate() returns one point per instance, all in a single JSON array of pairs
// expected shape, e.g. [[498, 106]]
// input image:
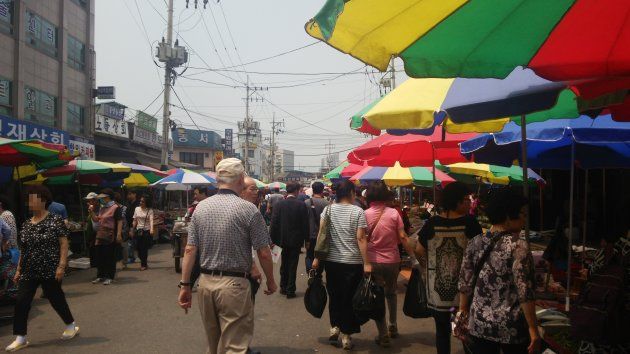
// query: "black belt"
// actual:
[[224, 273]]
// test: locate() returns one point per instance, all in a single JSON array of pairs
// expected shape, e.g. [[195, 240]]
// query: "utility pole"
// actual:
[[393, 73], [247, 124], [329, 155], [172, 57], [276, 128]]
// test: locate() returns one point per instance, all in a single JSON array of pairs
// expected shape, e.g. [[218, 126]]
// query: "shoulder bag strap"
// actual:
[[377, 221], [482, 261]]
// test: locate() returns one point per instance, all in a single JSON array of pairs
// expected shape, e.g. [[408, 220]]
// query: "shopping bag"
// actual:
[[315, 297], [276, 252], [368, 301], [415, 305], [322, 244]]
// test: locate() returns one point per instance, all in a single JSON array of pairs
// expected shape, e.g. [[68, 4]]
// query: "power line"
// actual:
[[283, 73]]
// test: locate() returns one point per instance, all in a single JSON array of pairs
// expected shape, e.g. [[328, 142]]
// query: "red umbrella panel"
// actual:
[[352, 169], [411, 150]]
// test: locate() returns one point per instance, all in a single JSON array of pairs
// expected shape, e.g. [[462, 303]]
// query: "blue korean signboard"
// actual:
[[196, 139], [23, 130]]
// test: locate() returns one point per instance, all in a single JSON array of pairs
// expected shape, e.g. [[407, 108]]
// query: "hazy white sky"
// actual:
[[259, 29]]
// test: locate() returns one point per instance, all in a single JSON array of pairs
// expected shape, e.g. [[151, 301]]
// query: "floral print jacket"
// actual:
[[505, 281]]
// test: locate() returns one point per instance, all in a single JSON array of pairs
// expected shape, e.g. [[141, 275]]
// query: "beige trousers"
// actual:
[[227, 312]]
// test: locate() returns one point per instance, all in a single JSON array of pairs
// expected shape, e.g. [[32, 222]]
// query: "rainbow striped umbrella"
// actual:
[[86, 172], [15, 153], [491, 173], [560, 40], [183, 179], [335, 173], [398, 176]]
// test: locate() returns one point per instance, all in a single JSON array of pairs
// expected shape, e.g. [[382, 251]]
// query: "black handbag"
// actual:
[[415, 305], [368, 301], [315, 297]]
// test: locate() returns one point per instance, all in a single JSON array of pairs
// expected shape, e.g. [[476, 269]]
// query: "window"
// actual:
[[5, 96], [250, 154], [6, 16], [195, 158], [81, 3], [76, 53], [41, 34], [39, 107], [75, 119]]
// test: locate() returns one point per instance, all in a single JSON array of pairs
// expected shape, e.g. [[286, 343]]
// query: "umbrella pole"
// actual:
[[434, 197], [584, 218], [542, 204], [604, 198], [567, 304], [524, 165]]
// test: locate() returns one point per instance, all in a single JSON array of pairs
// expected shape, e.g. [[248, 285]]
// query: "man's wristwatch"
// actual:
[[182, 284]]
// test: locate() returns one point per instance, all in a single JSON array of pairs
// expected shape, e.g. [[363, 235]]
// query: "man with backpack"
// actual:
[[315, 206]]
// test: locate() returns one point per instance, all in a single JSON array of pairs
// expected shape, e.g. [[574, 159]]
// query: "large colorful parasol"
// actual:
[[86, 172], [491, 173], [335, 173], [183, 179], [561, 40], [410, 150], [15, 153], [398, 176], [598, 143]]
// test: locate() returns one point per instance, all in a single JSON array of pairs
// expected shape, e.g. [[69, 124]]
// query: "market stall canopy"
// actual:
[[398, 176], [560, 40], [410, 150], [15, 153], [490, 173], [183, 180], [599, 143]]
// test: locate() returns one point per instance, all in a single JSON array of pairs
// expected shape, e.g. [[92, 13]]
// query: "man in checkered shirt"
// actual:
[[224, 229]]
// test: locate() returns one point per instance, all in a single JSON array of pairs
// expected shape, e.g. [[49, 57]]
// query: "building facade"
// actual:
[[251, 149], [285, 161], [197, 147], [329, 162], [47, 70]]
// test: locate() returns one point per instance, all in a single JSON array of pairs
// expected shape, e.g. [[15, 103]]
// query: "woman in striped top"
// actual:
[[345, 264]]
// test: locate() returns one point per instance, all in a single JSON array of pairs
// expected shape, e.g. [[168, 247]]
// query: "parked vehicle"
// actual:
[[179, 241]]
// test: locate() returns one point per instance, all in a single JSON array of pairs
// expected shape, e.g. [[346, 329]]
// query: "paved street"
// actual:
[[139, 314]]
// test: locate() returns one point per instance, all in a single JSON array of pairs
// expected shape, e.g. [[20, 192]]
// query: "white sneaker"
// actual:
[[97, 280], [346, 342], [70, 333], [16, 345], [107, 281], [334, 335]]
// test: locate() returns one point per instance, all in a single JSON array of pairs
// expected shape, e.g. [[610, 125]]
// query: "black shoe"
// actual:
[[283, 292], [291, 295]]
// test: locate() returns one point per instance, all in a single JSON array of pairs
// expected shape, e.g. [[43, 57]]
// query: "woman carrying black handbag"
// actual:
[[143, 229]]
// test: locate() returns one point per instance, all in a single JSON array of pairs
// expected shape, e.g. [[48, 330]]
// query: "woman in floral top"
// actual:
[[502, 313], [43, 261]]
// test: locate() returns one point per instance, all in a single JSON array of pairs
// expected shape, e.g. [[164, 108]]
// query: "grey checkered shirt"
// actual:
[[225, 228]]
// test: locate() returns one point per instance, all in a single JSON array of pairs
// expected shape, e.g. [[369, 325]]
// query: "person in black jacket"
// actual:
[[290, 230]]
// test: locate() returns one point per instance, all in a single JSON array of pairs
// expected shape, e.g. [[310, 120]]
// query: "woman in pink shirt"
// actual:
[[385, 231]]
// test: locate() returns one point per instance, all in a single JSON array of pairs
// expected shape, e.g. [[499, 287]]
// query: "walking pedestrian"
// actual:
[[502, 314], [346, 263], [223, 229], [199, 194], [289, 230], [273, 199], [43, 261], [124, 255], [386, 230], [443, 239], [251, 194], [7, 216], [93, 206], [109, 233], [315, 206], [133, 201], [143, 229]]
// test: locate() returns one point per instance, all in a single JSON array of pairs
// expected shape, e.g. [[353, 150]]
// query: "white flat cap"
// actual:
[[231, 167]]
